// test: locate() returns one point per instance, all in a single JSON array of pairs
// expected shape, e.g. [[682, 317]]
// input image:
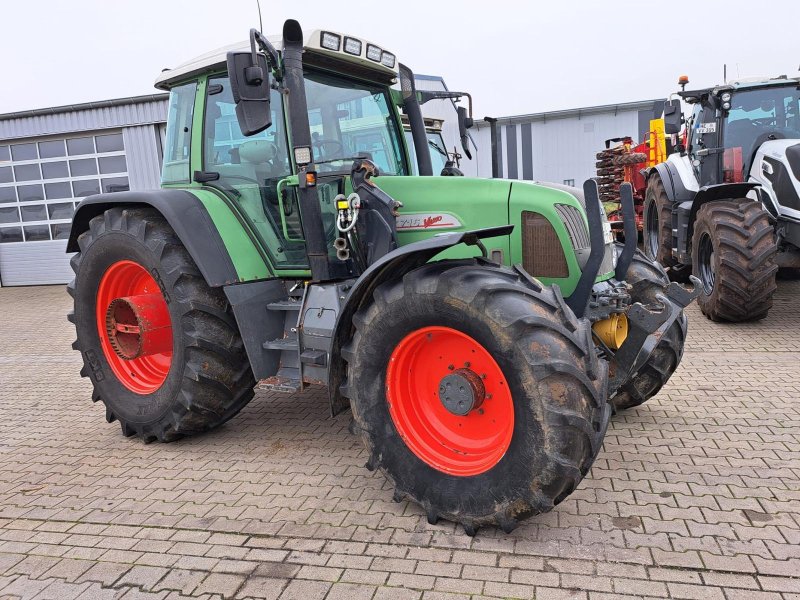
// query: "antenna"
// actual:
[[724, 73], [260, 22]]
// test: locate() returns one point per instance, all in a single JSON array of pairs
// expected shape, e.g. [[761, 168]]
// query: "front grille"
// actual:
[[542, 254], [576, 227]]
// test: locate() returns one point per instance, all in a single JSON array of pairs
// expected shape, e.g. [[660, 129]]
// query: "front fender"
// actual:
[[393, 265], [710, 193]]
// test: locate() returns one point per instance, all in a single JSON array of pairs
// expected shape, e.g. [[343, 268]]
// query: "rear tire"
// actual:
[[647, 279], [208, 379], [556, 382], [657, 229], [733, 255]]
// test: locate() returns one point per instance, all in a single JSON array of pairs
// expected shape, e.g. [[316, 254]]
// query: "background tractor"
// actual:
[[477, 328], [442, 162], [725, 205]]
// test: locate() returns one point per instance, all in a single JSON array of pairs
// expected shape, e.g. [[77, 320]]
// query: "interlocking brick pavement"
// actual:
[[695, 495]]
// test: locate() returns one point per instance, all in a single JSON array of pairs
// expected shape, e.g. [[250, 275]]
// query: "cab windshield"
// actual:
[[436, 148], [760, 111], [348, 120]]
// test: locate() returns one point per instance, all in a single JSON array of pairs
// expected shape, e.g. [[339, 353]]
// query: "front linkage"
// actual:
[[646, 325]]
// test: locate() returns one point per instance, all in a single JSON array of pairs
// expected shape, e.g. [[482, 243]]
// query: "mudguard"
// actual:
[[186, 215], [673, 185], [722, 191], [393, 265]]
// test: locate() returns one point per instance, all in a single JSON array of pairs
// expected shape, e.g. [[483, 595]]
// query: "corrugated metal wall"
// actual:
[[46, 262], [83, 118], [143, 151]]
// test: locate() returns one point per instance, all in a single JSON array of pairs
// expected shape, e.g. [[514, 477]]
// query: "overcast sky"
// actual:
[[515, 57]]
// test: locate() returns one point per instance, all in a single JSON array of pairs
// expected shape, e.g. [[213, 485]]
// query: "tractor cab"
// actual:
[[729, 123], [348, 117]]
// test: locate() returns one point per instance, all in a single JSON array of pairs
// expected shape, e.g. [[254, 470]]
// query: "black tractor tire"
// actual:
[[556, 383], [209, 378], [647, 278], [657, 228], [733, 255]]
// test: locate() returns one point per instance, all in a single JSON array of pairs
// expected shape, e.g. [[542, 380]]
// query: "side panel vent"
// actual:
[[576, 227], [542, 254]]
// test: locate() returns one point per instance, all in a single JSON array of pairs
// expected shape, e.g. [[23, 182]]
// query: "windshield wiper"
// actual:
[[343, 158], [433, 144]]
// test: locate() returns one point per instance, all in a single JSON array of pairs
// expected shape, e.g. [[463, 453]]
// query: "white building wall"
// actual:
[[562, 148]]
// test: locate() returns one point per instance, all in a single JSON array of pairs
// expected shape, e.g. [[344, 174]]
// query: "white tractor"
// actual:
[[725, 205]]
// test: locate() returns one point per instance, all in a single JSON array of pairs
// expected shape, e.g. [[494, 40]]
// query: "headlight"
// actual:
[[726, 106], [352, 46], [726, 96], [331, 41], [374, 53]]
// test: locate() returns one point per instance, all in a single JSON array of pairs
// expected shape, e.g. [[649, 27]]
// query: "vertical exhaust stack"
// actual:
[[414, 112], [300, 134]]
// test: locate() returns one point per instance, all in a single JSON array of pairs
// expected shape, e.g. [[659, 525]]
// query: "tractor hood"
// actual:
[[776, 167], [550, 237]]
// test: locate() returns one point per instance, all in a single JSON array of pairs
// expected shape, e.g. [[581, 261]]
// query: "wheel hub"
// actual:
[[138, 326], [461, 391], [134, 327], [449, 401]]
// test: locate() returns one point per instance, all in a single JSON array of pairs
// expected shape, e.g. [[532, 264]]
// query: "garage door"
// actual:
[[41, 181]]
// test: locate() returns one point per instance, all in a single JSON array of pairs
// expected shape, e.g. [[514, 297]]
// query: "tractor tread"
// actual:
[[528, 318], [746, 272], [217, 380], [656, 199], [648, 278]]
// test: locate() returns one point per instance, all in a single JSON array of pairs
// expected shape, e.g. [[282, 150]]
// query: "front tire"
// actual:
[[733, 255], [200, 376], [545, 415], [648, 278], [657, 227]]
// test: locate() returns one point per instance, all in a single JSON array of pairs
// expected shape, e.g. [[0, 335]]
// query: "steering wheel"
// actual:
[[321, 143]]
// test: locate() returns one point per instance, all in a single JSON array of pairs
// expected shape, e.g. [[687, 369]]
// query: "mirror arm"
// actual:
[[256, 37], [427, 95]]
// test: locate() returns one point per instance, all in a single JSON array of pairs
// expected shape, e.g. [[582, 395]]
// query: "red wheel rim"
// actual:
[[458, 445], [128, 284]]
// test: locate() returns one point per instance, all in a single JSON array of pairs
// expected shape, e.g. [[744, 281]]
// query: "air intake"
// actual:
[[576, 226], [542, 253]]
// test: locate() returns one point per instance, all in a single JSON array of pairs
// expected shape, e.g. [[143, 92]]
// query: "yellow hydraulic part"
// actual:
[[657, 143], [612, 330]]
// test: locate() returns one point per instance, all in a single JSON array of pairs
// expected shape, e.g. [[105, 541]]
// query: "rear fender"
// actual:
[[393, 265], [189, 217]]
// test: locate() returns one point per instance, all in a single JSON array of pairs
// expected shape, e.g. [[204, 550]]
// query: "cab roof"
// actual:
[[216, 59], [742, 84]]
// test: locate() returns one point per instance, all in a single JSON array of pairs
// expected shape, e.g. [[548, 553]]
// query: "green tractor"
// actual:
[[480, 330]]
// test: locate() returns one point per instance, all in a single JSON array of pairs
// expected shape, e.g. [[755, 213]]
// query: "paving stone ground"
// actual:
[[695, 494]]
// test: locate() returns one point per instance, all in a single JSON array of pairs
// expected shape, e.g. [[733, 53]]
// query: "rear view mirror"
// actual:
[[673, 117], [249, 76], [464, 123]]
